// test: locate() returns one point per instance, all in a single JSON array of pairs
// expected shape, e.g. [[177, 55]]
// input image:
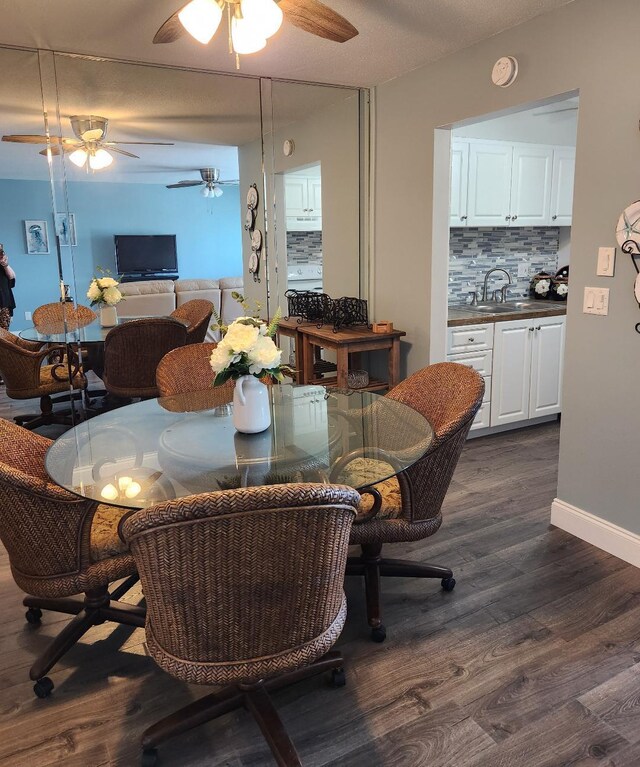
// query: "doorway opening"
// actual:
[[504, 226]]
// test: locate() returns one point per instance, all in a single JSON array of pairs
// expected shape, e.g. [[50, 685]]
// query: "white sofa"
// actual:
[[158, 298]]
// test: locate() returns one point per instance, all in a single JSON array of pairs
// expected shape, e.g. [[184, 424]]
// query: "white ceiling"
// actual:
[[395, 35]]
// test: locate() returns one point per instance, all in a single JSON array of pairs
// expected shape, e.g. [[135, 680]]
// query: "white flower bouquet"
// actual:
[[248, 348], [104, 290]]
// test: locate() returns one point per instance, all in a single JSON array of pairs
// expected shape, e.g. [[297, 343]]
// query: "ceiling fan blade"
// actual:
[[171, 30], [182, 184], [318, 19], [28, 139], [231, 182], [555, 111], [56, 150], [122, 151], [145, 143]]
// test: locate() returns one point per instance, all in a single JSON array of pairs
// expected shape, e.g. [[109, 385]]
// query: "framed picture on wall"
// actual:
[[37, 237], [66, 228]]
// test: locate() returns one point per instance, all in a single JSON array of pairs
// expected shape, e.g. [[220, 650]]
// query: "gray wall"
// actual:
[[587, 45]]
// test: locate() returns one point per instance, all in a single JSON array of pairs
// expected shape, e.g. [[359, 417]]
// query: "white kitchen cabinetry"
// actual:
[[531, 185], [303, 198], [471, 345], [459, 183], [510, 184], [564, 162], [489, 195], [527, 369]]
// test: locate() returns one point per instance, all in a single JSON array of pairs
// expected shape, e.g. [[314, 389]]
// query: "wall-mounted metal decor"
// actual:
[[628, 236], [255, 235]]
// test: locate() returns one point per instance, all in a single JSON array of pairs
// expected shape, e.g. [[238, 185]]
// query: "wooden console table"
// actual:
[[345, 342]]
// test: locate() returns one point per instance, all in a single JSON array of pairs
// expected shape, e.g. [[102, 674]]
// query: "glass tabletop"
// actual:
[[61, 333], [171, 447]]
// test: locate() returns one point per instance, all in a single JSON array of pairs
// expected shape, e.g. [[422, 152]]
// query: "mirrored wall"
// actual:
[[178, 178]]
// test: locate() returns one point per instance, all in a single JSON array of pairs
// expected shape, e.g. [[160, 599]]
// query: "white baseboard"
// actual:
[[599, 532]]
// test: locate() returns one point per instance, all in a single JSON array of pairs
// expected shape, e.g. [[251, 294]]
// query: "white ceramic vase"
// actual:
[[108, 316], [251, 411]]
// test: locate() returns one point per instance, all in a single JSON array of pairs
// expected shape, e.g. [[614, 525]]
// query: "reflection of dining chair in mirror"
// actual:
[[132, 352], [197, 313], [59, 316], [187, 369], [267, 561], [25, 376], [407, 507]]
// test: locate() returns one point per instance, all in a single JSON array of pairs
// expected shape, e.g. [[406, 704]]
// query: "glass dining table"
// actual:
[[171, 447]]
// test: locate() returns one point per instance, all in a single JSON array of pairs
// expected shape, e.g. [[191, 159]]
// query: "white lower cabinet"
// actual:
[[522, 372], [527, 369]]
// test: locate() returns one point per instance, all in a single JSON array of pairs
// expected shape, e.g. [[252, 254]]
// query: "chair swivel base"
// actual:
[[255, 698], [373, 566], [98, 606], [47, 415]]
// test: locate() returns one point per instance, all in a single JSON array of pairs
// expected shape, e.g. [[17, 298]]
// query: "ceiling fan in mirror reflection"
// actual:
[[90, 148], [209, 181], [252, 22]]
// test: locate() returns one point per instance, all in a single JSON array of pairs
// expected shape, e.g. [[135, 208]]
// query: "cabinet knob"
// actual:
[[507, 218], [513, 218], [531, 330], [463, 218], [553, 218], [538, 328], [471, 340]]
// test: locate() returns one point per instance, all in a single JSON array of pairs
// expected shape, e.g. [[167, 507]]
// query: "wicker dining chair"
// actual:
[[25, 376], [59, 546], [132, 352], [244, 589], [407, 507], [56, 317], [197, 313], [186, 370]]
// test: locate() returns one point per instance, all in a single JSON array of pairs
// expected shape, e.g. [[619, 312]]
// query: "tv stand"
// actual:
[[131, 277]]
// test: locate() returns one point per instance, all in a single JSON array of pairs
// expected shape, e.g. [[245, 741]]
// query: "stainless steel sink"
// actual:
[[493, 308], [525, 305]]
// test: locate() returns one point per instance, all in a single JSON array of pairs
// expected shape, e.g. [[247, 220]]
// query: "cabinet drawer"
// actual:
[[482, 419], [469, 338], [480, 361]]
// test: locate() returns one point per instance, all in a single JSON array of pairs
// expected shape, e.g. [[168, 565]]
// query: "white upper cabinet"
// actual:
[[489, 183], [499, 183], [531, 185], [564, 162], [303, 203], [315, 196], [459, 183], [296, 195]]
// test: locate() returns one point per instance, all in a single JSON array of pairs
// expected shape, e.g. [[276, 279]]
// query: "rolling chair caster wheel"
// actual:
[[34, 616], [379, 633], [337, 678], [43, 687], [448, 584]]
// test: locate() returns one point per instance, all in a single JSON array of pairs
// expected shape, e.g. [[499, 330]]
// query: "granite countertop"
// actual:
[[518, 310]]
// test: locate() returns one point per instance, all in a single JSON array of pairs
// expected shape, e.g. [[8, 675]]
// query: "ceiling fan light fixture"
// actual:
[[217, 191], [100, 159], [247, 37], [201, 19], [264, 15], [79, 157]]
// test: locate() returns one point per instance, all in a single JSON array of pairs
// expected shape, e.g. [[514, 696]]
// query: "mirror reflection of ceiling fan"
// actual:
[[209, 181], [251, 22], [90, 148]]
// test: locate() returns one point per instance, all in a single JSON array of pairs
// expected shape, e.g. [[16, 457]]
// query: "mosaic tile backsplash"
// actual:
[[304, 247], [472, 251]]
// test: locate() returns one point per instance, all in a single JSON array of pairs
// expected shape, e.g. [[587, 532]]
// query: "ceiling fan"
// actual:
[[251, 22], [210, 183], [90, 145]]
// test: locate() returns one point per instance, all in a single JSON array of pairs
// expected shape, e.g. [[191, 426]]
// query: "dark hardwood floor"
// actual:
[[531, 662]]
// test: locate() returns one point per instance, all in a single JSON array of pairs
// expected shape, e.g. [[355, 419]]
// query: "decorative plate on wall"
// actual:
[[248, 219], [628, 229], [252, 197], [254, 263], [256, 239]]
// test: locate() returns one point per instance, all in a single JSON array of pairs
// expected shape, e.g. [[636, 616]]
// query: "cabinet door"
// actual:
[[511, 371], [459, 183], [531, 185], [547, 357], [296, 196], [489, 184], [564, 162], [315, 197]]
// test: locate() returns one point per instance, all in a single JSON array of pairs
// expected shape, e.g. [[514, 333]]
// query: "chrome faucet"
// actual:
[[486, 280]]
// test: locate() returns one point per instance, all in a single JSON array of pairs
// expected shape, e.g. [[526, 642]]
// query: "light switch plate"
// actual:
[[523, 270], [596, 301], [27, 316], [606, 262]]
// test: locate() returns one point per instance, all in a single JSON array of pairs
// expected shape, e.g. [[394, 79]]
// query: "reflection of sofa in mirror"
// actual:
[[158, 298]]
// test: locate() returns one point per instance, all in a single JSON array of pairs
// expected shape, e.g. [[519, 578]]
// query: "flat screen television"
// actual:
[[146, 253]]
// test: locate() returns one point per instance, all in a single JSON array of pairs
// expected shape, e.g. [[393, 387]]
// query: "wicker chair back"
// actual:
[[243, 584], [197, 313]]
